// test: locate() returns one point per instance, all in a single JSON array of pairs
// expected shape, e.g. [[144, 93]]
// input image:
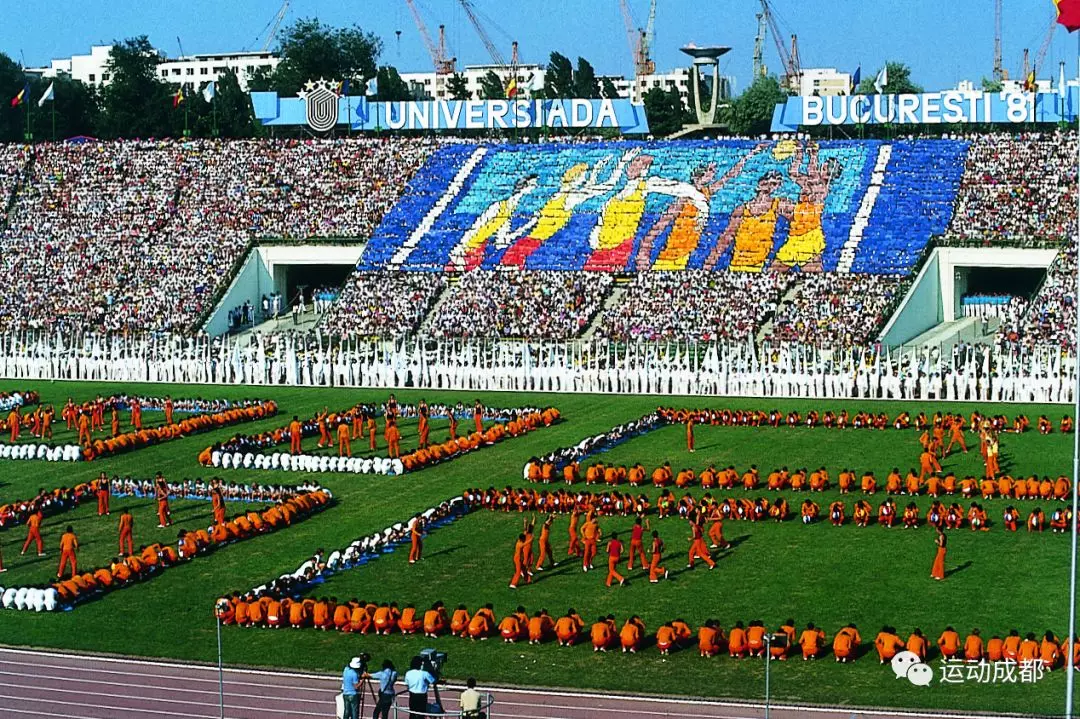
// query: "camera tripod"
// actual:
[[363, 693]]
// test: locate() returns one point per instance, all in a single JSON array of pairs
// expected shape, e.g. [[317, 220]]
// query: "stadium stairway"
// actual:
[[949, 334], [766, 327], [444, 294], [614, 299]]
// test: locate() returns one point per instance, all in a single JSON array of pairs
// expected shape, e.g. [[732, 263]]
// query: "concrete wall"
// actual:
[[920, 309], [264, 271]]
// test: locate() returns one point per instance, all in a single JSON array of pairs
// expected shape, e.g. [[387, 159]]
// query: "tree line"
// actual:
[[139, 103]]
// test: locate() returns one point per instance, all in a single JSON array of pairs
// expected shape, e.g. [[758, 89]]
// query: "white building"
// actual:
[[824, 81], [428, 85], [197, 70], [193, 70]]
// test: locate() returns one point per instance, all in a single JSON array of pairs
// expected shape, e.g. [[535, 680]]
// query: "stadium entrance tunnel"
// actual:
[[973, 283], [281, 271], [958, 286]]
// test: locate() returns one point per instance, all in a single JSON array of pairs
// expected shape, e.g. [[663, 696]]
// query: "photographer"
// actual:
[[350, 688], [386, 677], [418, 680]]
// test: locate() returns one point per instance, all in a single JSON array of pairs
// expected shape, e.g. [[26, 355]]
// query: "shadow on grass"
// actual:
[[958, 569], [448, 550]]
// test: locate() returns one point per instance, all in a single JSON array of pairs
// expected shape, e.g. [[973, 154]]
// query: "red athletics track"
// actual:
[[66, 686]]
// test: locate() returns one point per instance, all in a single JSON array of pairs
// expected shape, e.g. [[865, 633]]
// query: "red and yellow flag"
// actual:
[[21, 97], [512, 89], [178, 98], [1068, 14]]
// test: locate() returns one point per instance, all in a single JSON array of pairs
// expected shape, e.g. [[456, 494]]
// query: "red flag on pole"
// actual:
[[1068, 14]]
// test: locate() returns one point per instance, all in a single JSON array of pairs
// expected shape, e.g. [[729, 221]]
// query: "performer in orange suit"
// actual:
[[84, 430], [114, 422], [127, 526], [161, 494], [33, 532], [614, 550], [698, 550], [545, 544], [393, 439], [295, 432], [519, 562], [68, 544], [938, 570], [637, 544], [344, 449], [423, 428], [690, 432], [478, 416], [416, 535], [217, 500], [371, 427], [590, 535], [656, 571]]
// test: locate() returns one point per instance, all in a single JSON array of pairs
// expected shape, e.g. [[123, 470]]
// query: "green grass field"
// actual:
[[823, 574]]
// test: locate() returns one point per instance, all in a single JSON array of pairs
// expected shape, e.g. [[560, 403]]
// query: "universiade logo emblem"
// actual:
[[321, 100]]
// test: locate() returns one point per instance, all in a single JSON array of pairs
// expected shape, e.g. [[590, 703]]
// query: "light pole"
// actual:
[[220, 670], [768, 661]]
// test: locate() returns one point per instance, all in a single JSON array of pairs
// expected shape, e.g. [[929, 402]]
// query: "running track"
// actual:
[[65, 686]]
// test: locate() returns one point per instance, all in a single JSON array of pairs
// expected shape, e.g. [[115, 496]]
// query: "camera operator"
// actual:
[[470, 701], [350, 688], [387, 677], [418, 680]]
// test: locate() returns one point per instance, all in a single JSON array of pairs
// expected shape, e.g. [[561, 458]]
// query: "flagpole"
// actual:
[[1070, 659], [52, 109]]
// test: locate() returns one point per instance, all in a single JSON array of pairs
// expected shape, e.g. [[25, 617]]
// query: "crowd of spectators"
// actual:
[[695, 305], [552, 305], [383, 304], [1017, 188], [1051, 317], [142, 234], [836, 309]]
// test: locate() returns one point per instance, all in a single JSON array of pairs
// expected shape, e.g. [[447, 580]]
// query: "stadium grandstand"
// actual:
[[783, 240]]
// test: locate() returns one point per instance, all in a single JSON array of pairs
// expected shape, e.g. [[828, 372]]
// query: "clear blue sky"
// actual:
[[943, 40]]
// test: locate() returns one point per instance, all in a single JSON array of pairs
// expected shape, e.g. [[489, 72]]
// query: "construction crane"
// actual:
[[275, 24], [633, 35], [640, 39], [788, 58], [999, 70], [444, 64], [648, 67], [1048, 38], [492, 48], [759, 47]]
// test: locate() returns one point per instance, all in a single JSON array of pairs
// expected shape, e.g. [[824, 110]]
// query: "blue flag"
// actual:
[[856, 79]]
